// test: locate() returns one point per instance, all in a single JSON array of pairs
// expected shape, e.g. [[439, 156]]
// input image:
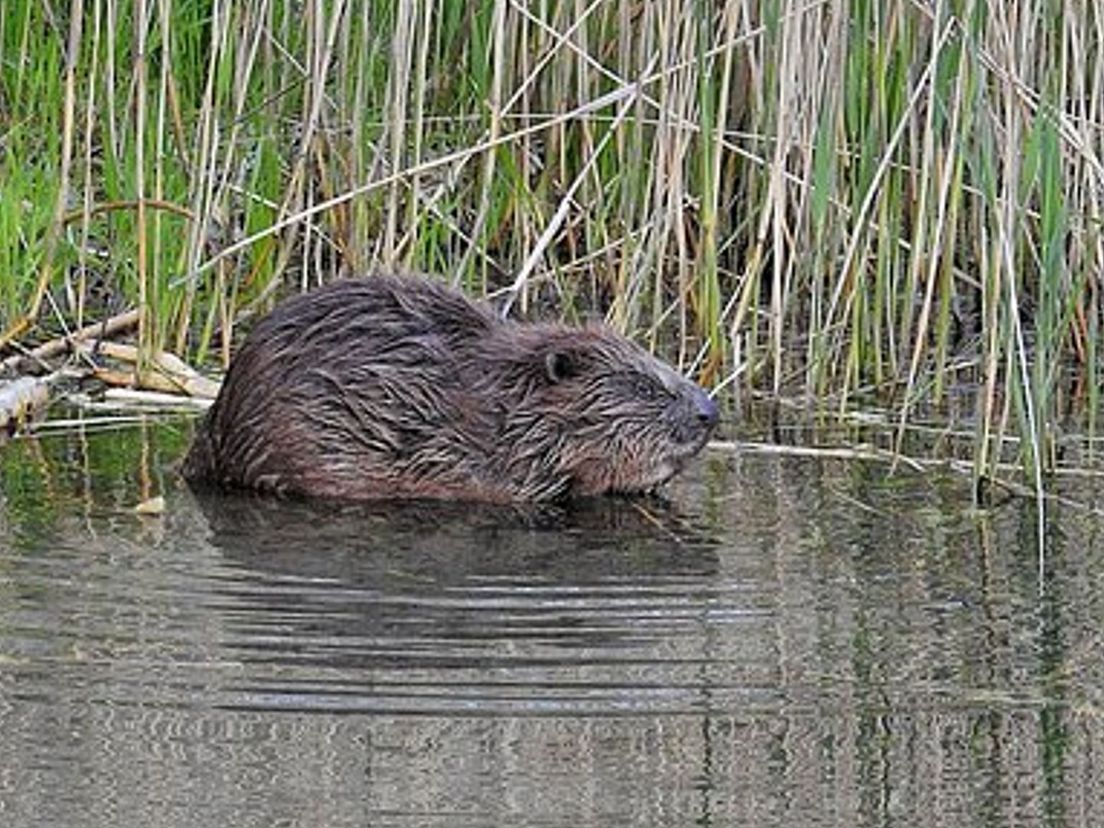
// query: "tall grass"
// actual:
[[848, 202]]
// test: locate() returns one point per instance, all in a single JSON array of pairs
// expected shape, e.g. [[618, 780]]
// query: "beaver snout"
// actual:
[[693, 418], [707, 411]]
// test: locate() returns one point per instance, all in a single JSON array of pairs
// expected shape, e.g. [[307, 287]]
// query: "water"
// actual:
[[791, 642]]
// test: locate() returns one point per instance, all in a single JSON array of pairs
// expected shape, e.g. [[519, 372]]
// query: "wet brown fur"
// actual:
[[398, 387]]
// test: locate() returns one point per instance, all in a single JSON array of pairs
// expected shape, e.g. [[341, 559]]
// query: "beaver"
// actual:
[[396, 386]]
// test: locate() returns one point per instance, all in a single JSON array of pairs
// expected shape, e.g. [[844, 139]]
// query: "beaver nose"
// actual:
[[707, 411]]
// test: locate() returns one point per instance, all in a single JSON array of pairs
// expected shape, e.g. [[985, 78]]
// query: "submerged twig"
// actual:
[[962, 467]]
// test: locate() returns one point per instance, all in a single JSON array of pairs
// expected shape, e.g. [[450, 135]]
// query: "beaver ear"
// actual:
[[560, 365]]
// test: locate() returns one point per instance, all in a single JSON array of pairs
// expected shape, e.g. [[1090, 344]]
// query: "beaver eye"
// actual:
[[560, 366]]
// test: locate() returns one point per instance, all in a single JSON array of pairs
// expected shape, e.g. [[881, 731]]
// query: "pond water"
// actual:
[[790, 642]]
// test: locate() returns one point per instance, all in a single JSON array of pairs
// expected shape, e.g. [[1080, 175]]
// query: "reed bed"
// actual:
[[845, 202]]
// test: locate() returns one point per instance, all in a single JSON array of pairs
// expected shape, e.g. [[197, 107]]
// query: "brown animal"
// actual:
[[398, 387]]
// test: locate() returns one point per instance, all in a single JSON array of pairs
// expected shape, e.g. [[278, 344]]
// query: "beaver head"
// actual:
[[590, 412], [398, 387]]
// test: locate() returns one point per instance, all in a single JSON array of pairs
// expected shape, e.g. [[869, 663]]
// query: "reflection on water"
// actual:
[[787, 642], [438, 608]]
